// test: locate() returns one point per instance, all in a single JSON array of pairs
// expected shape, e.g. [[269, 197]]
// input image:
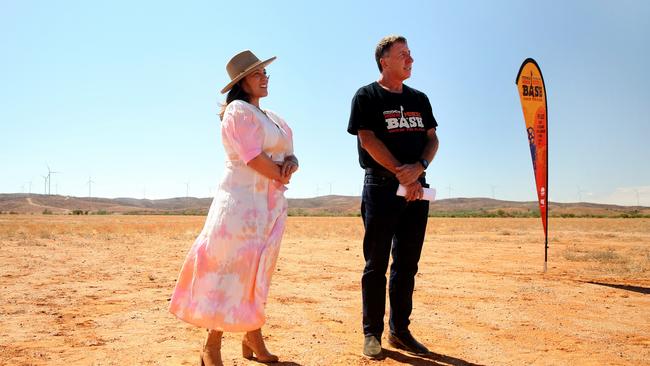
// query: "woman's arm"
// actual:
[[289, 166], [268, 168]]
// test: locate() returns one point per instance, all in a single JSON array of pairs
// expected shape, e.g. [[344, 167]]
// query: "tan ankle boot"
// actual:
[[211, 353], [254, 343]]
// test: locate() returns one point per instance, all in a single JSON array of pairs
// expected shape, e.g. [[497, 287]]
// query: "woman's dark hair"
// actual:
[[236, 93]]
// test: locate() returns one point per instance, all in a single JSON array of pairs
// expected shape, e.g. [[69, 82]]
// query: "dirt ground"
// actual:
[[94, 290]]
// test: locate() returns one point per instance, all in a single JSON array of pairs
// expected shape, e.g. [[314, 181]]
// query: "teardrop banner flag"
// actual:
[[532, 94]]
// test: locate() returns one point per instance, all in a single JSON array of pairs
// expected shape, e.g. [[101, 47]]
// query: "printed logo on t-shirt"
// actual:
[[400, 121]]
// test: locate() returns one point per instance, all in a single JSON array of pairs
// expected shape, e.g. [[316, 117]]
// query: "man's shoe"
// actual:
[[372, 348], [406, 342]]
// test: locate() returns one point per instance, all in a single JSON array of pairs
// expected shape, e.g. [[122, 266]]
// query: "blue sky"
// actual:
[[127, 92]]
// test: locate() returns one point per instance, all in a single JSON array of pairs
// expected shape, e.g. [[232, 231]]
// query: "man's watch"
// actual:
[[425, 163]]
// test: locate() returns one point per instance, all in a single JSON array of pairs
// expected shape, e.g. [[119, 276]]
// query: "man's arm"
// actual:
[[378, 150], [380, 153], [431, 149], [409, 173]]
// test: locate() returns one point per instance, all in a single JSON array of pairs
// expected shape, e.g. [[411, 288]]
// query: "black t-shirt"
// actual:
[[399, 120]]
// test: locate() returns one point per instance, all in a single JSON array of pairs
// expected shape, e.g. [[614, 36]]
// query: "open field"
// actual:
[[93, 290], [332, 205]]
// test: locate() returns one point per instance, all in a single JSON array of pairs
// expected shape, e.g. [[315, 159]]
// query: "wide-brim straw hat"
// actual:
[[241, 65]]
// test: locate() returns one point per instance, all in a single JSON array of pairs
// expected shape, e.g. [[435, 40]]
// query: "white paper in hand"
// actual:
[[429, 193]]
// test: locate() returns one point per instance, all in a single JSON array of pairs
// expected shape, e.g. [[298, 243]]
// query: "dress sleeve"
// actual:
[[242, 131]]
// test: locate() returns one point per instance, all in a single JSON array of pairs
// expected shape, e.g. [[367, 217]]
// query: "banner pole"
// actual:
[[548, 204], [545, 252]]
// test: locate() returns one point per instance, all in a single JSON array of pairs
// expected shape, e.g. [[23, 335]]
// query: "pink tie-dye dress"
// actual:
[[225, 279]]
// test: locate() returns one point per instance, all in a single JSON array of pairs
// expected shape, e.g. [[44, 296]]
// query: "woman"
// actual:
[[224, 282]]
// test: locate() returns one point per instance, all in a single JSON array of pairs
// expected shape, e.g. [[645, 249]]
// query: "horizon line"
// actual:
[[314, 197]]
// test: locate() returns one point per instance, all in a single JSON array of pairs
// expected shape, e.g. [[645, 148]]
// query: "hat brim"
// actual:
[[242, 75]]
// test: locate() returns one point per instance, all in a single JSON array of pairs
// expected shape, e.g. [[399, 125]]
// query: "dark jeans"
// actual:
[[393, 226]]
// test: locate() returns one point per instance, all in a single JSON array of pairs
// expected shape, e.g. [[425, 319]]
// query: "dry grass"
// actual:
[[603, 256], [94, 290]]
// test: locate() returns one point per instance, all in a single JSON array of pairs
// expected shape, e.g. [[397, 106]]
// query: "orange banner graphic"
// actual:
[[532, 94]]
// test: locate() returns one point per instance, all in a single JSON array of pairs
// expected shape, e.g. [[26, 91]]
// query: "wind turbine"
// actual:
[[49, 179], [187, 189], [90, 184], [30, 187], [493, 187], [44, 184], [580, 191]]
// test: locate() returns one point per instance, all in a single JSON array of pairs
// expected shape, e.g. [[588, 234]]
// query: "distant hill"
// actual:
[[487, 207], [331, 205], [55, 204]]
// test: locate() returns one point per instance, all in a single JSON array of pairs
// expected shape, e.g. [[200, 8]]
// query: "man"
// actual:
[[396, 141]]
